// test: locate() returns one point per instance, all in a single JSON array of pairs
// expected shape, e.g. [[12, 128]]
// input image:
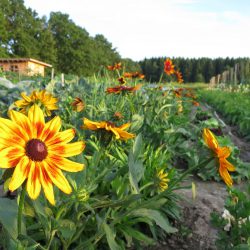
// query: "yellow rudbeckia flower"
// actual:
[[222, 153], [37, 150], [162, 180], [119, 132], [44, 99]]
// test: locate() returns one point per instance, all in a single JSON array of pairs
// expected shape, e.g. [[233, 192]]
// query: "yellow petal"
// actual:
[[57, 177], [124, 126], [33, 182], [36, 118], [88, 124], [20, 173], [10, 157], [51, 128], [124, 135], [115, 131], [65, 164], [10, 128], [67, 150], [25, 97], [210, 139], [46, 184], [22, 120], [65, 137]]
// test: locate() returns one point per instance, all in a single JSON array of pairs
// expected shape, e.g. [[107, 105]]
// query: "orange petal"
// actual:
[[225, 175], [210, 139], [226, 164], [223, 152]]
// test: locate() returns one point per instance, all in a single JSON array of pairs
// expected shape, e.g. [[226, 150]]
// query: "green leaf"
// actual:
[[137, 147], [157, 217], [67, 228], [110, 235], [136, 234], [137, 122], [8, 216]]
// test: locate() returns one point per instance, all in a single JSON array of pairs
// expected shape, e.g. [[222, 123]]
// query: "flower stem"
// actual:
[[20, 210]]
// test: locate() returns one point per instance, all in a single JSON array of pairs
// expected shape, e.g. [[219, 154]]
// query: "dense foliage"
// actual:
[[225, 103]]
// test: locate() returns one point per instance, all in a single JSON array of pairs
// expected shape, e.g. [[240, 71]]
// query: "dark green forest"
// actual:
[[70, 48]]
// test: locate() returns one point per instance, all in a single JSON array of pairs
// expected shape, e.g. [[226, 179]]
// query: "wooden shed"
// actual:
[[24, 66]]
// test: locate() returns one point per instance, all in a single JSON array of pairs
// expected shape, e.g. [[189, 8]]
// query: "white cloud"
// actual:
[[147, 28]]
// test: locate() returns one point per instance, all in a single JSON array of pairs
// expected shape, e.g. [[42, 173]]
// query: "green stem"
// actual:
[[146, 185], [20, 210]]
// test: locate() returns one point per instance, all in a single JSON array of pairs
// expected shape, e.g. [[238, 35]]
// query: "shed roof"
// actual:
[[25, 60]]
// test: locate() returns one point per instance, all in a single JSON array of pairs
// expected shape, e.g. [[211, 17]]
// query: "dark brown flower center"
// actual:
[[36, 150]]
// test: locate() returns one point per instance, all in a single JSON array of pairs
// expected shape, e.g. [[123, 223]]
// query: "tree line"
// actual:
[[57, 40], [196, 69]]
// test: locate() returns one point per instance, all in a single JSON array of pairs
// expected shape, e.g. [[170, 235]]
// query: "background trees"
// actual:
[[71, 50]]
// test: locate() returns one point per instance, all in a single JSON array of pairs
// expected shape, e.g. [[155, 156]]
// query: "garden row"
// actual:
[[233, 106], [141, 141]]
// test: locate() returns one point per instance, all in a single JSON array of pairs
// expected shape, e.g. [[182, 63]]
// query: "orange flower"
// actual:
[[178, 76], [110, 128], [123, 89], [222, 153], [115, 66], [78, 104], [169, 67], [178, 92], [195, 103], [134, 75], [118, 116]]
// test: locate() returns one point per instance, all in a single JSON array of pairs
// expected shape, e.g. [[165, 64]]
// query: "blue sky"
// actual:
[[152, 28]]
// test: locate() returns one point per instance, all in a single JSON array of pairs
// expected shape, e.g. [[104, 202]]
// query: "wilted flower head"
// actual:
[[78, 104]]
